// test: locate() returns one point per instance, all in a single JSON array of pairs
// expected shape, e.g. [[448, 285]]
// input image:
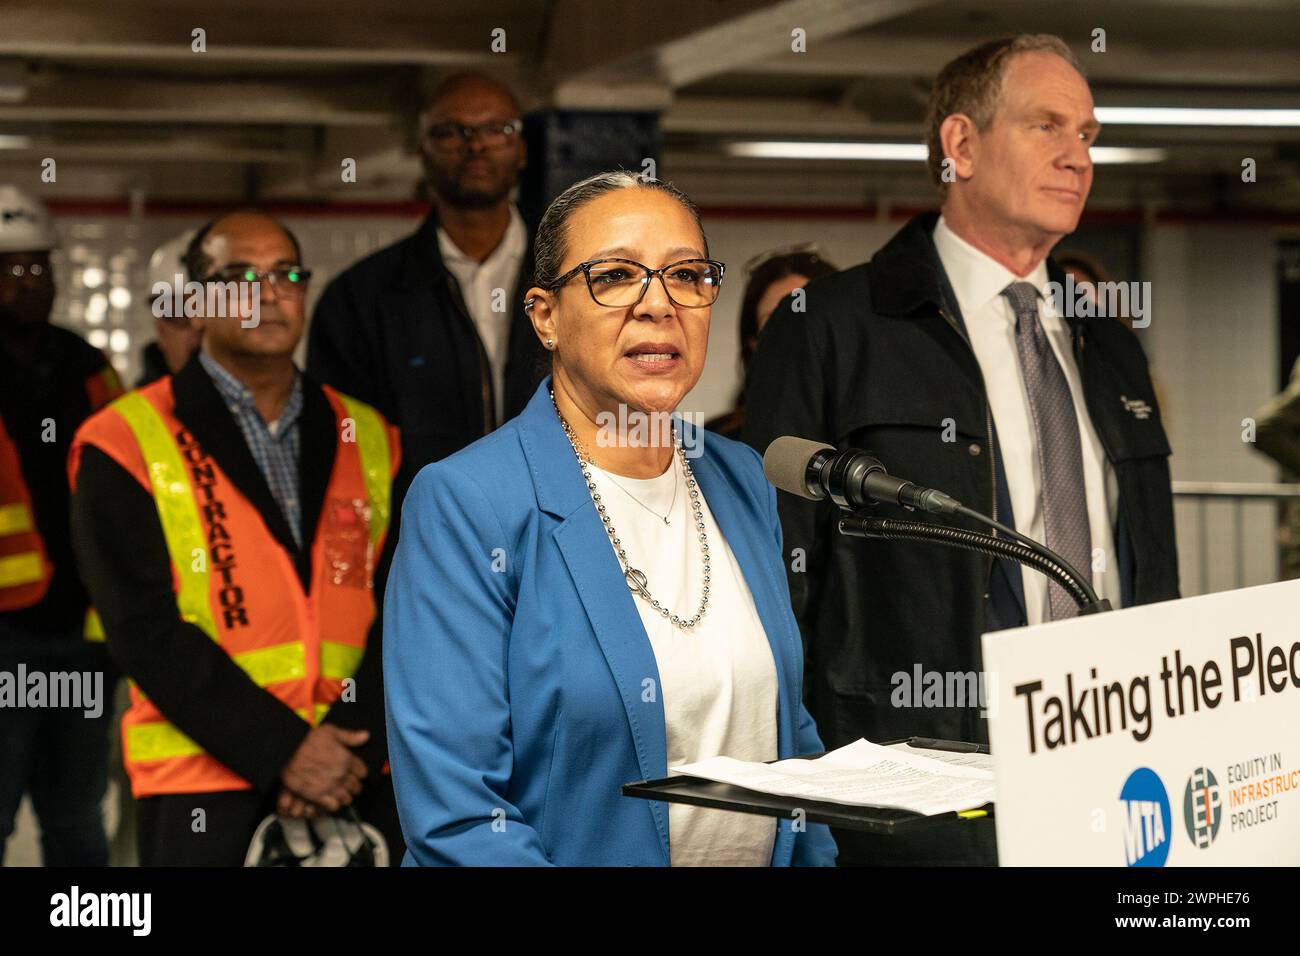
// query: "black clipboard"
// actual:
[[725, 796]]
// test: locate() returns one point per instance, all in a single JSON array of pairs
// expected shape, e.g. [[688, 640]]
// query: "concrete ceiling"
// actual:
[[116, 94]]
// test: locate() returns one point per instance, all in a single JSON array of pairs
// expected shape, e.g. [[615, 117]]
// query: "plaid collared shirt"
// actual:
[[275, 445]]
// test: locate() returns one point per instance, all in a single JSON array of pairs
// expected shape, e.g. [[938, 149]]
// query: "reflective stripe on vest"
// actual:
[[17, 569], [376, 465], [25, 569], [174, 499], [15, 518], [93, 629], [160, 740]]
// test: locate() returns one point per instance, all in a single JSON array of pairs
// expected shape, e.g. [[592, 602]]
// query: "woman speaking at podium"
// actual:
[[594, 593]]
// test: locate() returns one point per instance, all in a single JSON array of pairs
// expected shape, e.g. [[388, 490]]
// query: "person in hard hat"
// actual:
[[177, 335], [230, 521], [55, 685]]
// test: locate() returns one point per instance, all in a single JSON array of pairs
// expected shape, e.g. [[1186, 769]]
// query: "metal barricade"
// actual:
[[1237, 497]]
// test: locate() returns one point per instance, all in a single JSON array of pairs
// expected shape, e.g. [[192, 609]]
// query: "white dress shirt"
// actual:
[[978, 281], [718, 679], [477, 280]]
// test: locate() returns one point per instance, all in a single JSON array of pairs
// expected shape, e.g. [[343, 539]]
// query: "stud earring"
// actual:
[[550, 343]]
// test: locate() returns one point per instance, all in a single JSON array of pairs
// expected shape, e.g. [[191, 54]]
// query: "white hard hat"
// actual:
[[320, 842], [25, 224], [165, 263]]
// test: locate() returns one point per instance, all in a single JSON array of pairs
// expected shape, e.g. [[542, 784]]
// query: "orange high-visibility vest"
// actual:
[[25, 568], [235, 582]]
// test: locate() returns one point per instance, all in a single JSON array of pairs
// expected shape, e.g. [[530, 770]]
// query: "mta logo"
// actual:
[[1202, 807], [1146, 819]]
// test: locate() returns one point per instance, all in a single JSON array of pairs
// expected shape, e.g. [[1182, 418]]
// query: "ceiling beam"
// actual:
[[383, 31], [116, 98], [876, 56], [691, 42]]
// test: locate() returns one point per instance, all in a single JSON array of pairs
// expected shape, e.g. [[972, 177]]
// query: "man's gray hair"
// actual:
[[972, 84], [550, 244]]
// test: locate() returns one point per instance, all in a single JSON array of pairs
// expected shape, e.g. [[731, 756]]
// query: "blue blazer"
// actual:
[[520, 683]]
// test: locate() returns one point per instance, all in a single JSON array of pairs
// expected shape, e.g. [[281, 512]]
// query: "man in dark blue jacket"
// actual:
[[431, 330]]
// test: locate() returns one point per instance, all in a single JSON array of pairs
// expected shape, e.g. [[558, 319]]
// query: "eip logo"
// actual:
[[1146, 819], [1202, 807]]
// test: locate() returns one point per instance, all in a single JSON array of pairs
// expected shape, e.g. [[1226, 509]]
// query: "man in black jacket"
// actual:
[[945, 358], [431, 330]]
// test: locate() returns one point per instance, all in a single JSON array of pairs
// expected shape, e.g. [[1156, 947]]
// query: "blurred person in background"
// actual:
[[1277, 435], [771, 276], [431, 330], [177, 337], [231, 520], [50, 382]]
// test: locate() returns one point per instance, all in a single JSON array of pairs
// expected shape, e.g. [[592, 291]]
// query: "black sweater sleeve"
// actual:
[[123, 558]]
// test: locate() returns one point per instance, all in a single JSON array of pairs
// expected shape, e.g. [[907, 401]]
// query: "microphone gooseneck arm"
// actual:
[[871, 526], [1038, 548], [853, 479]]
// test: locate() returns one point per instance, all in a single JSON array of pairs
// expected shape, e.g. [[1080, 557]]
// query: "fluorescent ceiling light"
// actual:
[[905, 152], [891, 152], [14, 142], [1177, 116], [1102, 155]]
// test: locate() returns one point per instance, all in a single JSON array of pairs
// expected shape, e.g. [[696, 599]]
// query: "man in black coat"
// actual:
[[431, 330], [918, 357]]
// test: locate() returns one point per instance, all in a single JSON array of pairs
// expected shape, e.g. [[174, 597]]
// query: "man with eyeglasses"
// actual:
[[431, 330], [50, 382], [230, 521]]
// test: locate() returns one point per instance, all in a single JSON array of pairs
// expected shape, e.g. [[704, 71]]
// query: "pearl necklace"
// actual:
[[636, 579]]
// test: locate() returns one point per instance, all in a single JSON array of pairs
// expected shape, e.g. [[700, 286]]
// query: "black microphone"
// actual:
[[850, 478]]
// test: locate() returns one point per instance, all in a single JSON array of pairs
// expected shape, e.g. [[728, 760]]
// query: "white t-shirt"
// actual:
[[718, 679]]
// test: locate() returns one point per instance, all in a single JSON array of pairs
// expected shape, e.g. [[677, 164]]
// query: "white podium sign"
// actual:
[[1160, 735]]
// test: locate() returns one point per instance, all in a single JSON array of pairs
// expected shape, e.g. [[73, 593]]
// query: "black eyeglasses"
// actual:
[[285, 280], [621, 283], [451, 134]]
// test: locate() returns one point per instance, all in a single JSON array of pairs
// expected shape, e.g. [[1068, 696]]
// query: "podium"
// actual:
[[1159, 735], [881, 820]]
